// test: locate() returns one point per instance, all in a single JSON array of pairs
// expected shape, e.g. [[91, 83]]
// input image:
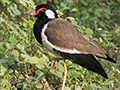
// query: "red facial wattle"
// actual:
[[36, 12]]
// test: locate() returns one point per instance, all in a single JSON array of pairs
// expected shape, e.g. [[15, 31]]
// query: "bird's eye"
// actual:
[[44, 9]]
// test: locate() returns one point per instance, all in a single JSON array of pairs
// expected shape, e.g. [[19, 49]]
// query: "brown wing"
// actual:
[[64, 35]]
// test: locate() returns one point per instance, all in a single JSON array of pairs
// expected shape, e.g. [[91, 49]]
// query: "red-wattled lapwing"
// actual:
[[61, 37]]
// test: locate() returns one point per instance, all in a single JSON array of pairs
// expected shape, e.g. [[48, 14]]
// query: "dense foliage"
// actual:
[[26, 65]]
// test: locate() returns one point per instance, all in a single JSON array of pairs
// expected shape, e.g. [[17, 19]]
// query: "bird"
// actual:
[[62, 38]]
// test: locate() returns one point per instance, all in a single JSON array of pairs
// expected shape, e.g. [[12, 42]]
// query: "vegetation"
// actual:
[[26, 65]]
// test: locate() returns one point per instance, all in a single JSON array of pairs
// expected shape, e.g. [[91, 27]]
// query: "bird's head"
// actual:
[[44, 10]]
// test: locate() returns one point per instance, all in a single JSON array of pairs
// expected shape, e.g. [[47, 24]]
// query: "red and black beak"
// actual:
[[33, 13]]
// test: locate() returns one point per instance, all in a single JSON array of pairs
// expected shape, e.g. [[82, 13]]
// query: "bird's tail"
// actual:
[[86, 60]]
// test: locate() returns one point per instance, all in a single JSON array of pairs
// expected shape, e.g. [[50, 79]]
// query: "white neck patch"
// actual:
[[50, 14]]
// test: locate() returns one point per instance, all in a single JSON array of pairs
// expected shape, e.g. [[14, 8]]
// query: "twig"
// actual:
[[112, 22]]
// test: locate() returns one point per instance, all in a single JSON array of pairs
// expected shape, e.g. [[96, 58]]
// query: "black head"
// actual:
[[44, 10]]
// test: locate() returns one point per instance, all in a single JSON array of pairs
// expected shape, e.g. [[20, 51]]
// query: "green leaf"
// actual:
[[60, 67], [102, 23], [15, 53], [72, 19], [27, 57], [1, 88], [59, 13], [3, 68], [2, 61], [74, 10], [78, 88], [57, 73], [10, 71], [84, 3], [6, 1], [9, 46], [108, 11], [43, 60], [73, 73], [100, 39], [19, 46], [16, 10], [52, 55], [11, 60], [105, 88], [40, 66], [67, 88], [2, 19], [34, 60], [89, 31], [40, 74], [1, 46], [13, 40], [20, 85]]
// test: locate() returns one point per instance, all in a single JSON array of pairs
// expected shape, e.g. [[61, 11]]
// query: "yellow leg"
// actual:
[[65, 74]]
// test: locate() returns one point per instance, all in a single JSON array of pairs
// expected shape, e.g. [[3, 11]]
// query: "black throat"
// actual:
[[39, 24]]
